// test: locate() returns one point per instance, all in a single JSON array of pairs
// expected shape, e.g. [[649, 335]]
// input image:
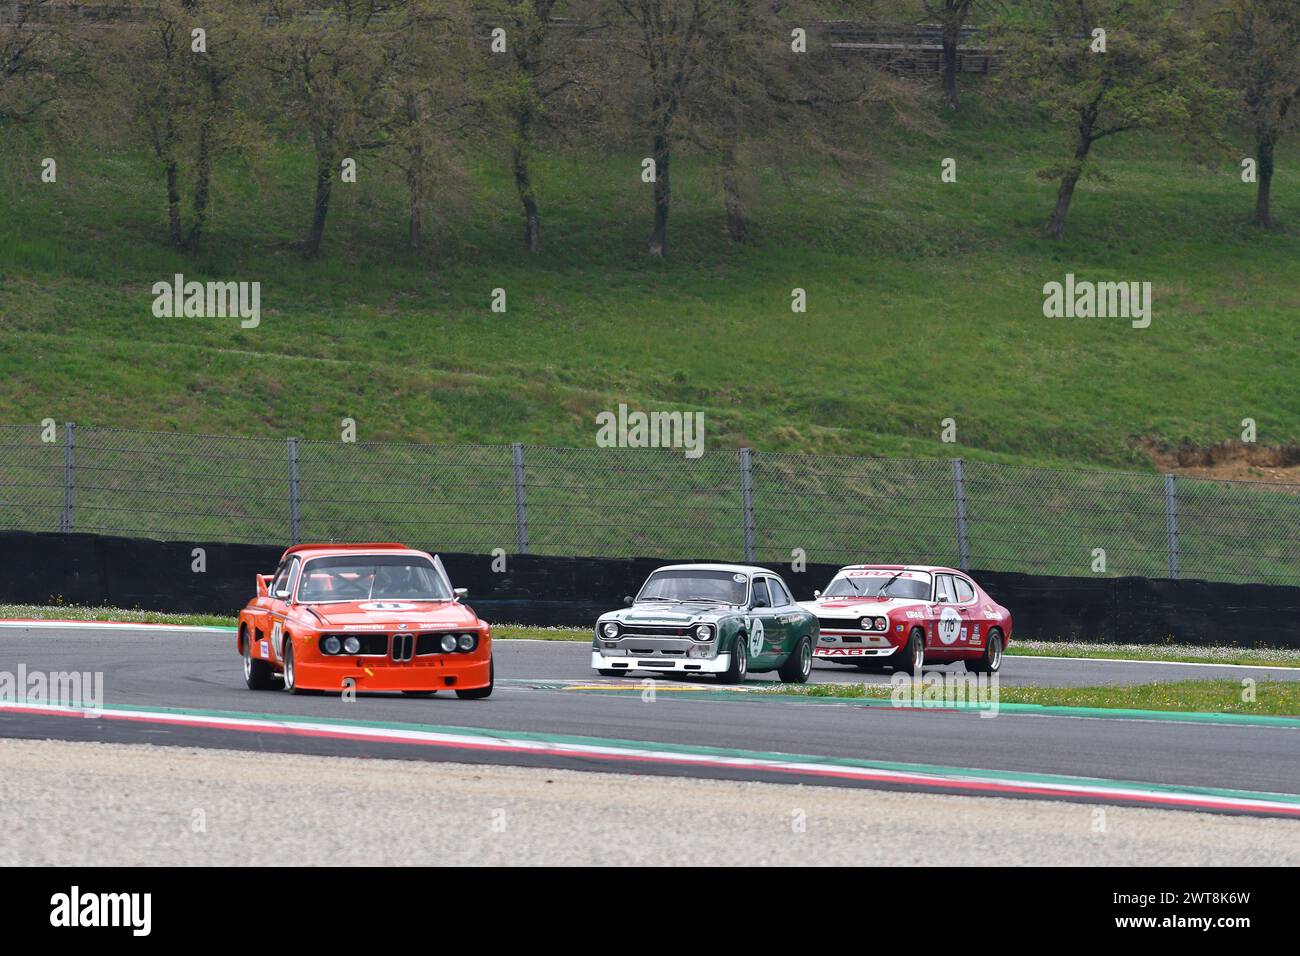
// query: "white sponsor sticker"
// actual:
[[949, 624]]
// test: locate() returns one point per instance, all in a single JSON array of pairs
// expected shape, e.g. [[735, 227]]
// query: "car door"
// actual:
[[281, 593], [789, 615], [974, 622], [761, 623], [946, 619]]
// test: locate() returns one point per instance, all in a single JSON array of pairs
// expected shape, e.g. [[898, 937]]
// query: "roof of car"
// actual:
[[345, 548], [738, 568], [928, 568]]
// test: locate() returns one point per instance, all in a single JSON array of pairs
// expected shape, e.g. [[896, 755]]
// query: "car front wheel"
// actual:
[[739, 662], [290, 682], [478, 693], [910, 658]]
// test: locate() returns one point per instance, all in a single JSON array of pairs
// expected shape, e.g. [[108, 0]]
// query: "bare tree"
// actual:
[[670, 43], [1259, 47], [34, 60], [432, 105], [547, 63], [1151, 73], [334, 66], [182, 56]]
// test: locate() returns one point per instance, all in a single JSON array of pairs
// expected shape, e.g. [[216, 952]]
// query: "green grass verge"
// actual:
[[1271, 698], [70, 612]]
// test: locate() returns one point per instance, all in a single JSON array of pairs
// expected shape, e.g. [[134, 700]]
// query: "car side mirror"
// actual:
[[759, 602], [816, 594], [627, 600], [461, 593], [282, 594]]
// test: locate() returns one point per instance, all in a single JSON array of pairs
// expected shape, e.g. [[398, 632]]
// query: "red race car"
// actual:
[[908, 616], [373, 617]]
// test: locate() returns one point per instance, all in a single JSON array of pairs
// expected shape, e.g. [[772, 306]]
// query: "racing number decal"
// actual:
[[277, 639], [949, 625], [755, 626]]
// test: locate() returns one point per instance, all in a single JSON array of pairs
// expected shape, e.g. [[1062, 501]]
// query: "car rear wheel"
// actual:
[[798, 665], [991, 661], [910, 659], [258, 674], [739, 668], [478, 693]]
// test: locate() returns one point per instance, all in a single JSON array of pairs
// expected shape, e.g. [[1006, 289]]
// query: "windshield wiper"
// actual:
[[883, 587]]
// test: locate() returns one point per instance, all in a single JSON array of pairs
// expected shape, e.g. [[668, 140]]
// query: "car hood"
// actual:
[[364, 615], [859, 607], [657, 613]]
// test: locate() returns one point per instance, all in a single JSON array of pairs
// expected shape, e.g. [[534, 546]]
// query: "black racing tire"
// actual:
[[739, 667], [290, 683], [478, 693], [798, 665], [258, 674], [910, 658], [991, 661]]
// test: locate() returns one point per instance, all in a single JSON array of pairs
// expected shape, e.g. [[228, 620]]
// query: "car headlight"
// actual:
[[331, 645], [448, 643], [704, 632], [466, 642], [609, 629], [865, 623], [352, 645], [881, 623]]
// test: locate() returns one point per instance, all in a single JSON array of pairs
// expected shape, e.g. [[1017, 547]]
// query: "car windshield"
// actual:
[[371, 578], [713, 587], [914, 585]]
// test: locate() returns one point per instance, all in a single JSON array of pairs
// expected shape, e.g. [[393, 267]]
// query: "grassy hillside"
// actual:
[[924, 302]]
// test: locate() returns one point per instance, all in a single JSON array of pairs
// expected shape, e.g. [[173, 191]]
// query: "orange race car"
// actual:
[[373, 617]]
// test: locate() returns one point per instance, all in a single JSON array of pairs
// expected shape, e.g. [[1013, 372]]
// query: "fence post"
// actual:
[[1171, 523], [295, 504], [959, 499], [521, 499], [69, 477], [747, 499]]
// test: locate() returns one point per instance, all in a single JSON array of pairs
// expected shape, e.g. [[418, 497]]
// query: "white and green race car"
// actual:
[[723, 619]]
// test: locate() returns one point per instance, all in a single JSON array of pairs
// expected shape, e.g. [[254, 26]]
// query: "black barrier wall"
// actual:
[[38, 568]]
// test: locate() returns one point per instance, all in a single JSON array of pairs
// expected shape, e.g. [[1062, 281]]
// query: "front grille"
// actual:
[[403, 647], [656, 630]]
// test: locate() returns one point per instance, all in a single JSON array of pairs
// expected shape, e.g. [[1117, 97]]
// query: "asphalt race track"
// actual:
[[183, 687]]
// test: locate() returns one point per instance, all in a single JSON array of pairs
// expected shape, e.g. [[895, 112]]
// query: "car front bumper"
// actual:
[[688, 665], [440, 672]]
